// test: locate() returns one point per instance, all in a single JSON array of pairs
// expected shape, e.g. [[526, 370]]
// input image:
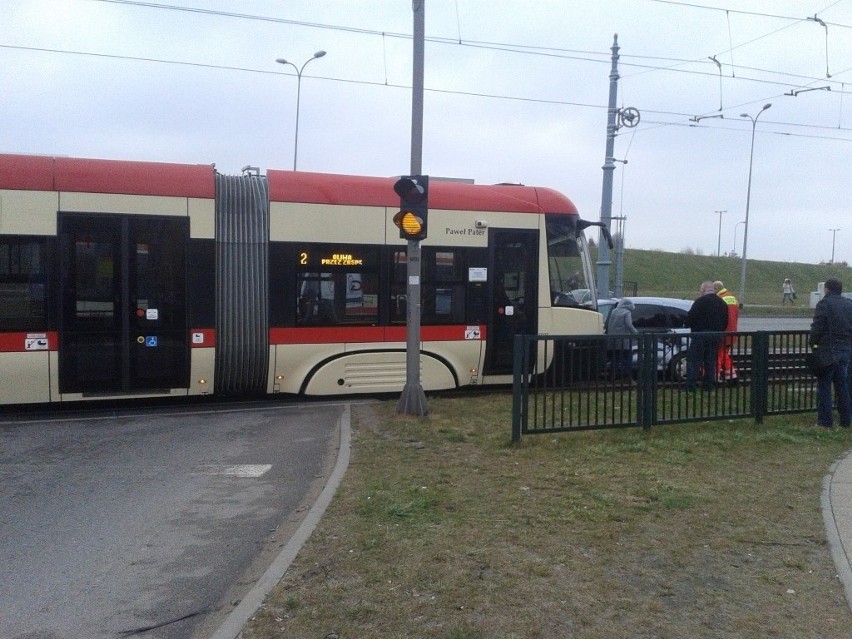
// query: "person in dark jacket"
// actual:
[[707, 318], [832, 329]]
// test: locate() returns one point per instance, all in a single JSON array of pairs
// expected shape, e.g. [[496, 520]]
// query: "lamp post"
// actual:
[[748, 199], [299, 70], [719, 242], [833, 236], [735, 235]]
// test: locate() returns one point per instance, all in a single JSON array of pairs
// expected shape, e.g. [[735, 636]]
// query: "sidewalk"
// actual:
[[836, 500]]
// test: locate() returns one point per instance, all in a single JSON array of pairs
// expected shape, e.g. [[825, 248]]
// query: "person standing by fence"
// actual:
[[726, 372], [707, 317], [621, 323], [832, 329]]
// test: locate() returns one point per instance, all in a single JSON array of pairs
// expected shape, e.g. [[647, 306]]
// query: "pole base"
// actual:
[[412, 401]]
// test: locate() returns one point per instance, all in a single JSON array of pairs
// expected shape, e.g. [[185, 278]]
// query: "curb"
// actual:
[[838, 550], [248, 606]]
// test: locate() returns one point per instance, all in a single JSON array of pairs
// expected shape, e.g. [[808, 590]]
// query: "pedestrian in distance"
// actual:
[[832, 329], [621, 348], [788, 292], [706, 319], [726, 372]]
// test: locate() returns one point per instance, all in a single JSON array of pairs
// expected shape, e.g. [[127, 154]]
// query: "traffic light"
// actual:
[[413, 191]]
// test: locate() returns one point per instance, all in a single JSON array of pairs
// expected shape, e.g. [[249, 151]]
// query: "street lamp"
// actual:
[[833, 235], [299, 70], [748, 199], [719, 242], [735, 235]]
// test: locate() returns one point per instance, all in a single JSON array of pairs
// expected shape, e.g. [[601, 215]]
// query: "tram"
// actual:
[[139, 279]]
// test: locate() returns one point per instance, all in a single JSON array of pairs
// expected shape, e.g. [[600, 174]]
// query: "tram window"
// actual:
[[444, 293], [337, 298], [447, 266], [337, 284], [201, 258], [362, 298], [400, 266], [565, 261], [443, 289], [23, 279], [94, 279], [398, 288], [316, 299]]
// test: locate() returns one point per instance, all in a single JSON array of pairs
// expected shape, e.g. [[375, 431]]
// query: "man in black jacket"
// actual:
[[832, 329], [707, 318]]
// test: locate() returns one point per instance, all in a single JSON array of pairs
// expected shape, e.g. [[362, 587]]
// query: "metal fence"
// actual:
[[568, 383]]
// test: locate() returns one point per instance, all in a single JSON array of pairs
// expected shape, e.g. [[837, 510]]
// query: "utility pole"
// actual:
[[833, 236], [616, 118], [719, 243], [413, 399], [604, 262]]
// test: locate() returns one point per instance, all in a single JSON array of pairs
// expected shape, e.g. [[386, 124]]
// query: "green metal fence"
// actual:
[[567, 383]]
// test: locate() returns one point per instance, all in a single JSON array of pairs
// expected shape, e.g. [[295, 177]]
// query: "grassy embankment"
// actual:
[[679, 275]]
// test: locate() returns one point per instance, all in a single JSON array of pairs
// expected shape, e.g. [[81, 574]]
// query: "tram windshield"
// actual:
[[569, 264]]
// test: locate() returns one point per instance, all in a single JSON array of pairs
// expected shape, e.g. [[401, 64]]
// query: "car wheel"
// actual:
[[677, 368]]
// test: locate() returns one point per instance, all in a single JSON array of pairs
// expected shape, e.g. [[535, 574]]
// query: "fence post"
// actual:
[[759, 375], [645, 380], [518, 387]]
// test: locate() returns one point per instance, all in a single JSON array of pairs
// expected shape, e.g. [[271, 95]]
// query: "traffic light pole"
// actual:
[[413, 399]]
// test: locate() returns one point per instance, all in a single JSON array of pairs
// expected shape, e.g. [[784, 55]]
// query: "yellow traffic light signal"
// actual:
[[409, 224], [413, 191]]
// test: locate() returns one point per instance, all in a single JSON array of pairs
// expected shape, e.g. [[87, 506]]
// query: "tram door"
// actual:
[[513, 278], [123, 315]]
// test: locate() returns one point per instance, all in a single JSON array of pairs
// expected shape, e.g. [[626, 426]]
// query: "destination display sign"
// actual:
[[337, 257]]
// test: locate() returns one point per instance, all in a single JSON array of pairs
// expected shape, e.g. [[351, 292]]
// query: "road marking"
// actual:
[[246, 470]]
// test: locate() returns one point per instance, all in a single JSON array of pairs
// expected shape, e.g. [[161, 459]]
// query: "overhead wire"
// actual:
[[579, 55], [377, 84]]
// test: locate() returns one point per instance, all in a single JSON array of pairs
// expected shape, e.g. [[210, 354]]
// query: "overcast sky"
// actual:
[[516, 91]]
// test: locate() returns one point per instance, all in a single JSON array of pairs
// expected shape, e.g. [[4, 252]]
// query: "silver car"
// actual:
[[659, 315]]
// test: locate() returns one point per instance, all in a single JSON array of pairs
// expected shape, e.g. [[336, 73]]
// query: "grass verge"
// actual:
[[443, 529]]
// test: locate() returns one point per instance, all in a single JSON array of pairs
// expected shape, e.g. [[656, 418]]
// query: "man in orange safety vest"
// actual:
[[725, 370]]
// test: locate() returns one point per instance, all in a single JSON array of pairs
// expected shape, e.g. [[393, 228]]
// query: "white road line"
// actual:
[[246, 470], [250, 471]]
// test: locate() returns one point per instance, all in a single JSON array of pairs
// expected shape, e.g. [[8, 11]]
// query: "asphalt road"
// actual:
[[774, 324], [154, 524]]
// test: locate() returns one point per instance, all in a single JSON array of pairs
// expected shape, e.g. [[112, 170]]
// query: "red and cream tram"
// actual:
[[137, 279]]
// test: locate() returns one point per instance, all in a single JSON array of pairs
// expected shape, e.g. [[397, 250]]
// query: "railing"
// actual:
[[567, 383]]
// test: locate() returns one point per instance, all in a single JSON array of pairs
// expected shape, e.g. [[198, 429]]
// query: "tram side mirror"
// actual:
[[582, 225]]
